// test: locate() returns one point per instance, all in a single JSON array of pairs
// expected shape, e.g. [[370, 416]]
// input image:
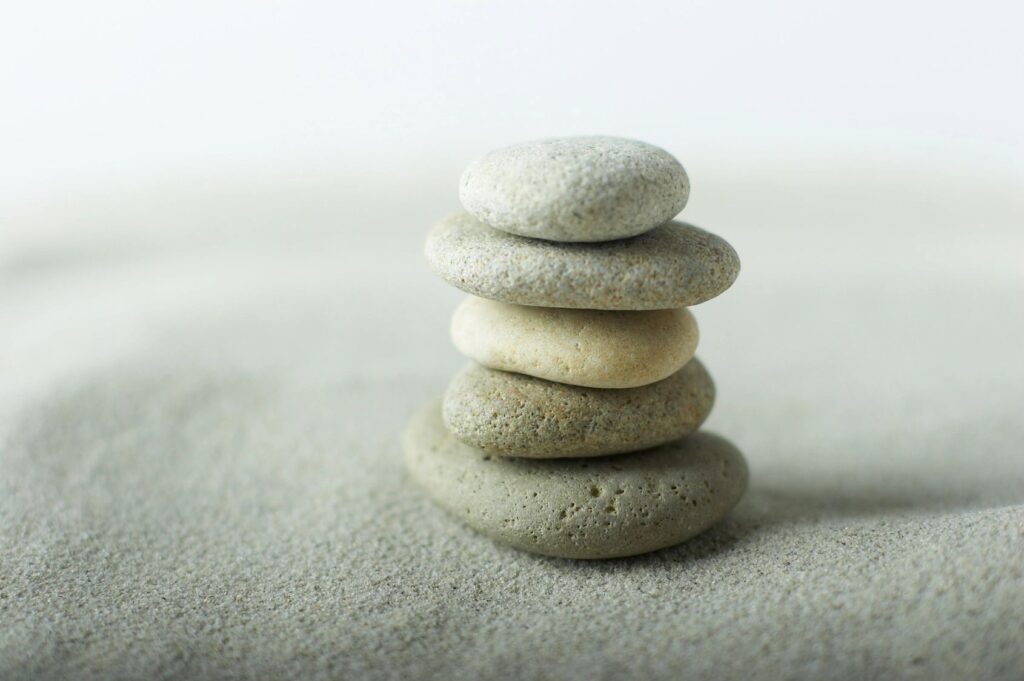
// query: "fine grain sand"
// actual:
[[200, 472]]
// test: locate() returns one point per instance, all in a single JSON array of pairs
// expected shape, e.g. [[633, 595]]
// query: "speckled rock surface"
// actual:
[[519, 415], [201, 470], [592, 348], [578, 508], [675, 265], [576, 188]]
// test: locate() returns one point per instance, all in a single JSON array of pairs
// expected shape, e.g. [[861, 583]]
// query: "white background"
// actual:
[[101, 92]]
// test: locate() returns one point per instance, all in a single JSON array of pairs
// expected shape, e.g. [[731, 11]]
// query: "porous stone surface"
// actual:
[[674, 265], [208, 484], [592, 348], [578, 508], [576, 188], [516, 415]]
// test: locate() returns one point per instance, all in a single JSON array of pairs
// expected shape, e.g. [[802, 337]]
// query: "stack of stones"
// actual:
[[572, 432]]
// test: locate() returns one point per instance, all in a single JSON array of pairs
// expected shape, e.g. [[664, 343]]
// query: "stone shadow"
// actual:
[[769, 507]]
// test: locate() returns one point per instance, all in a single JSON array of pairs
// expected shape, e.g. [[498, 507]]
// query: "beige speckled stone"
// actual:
[[576, 188], [517, 415], [578, 508], [592, 348], [675, 265]]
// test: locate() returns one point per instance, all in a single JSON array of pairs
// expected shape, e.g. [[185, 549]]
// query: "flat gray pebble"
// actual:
[[516, 415], [675, 265], [578, 508], [576, 188]]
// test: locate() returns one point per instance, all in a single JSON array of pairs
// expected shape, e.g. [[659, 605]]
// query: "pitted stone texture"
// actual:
[[675, 265], [576, 188], [516, 415], [592, 348], [578, 508]]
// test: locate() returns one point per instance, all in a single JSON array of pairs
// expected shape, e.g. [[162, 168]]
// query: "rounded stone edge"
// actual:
[[497, 440], [619, 370], [736, 462], [640, 216], [446, 268]]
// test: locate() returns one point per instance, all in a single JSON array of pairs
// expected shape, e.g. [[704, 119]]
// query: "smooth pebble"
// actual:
[[576, 188], [675, 265], [591, 348], [578, 508], [516, 415]]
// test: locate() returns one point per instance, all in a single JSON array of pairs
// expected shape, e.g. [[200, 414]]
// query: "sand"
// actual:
[[200, 472]]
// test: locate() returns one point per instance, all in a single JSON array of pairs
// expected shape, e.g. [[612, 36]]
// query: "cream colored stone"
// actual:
[[592, 348], [578, 508]]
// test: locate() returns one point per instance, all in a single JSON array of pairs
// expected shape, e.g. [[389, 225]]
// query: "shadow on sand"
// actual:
[[769, 508]]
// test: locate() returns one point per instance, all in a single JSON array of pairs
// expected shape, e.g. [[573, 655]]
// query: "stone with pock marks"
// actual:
[[576, 188], [516, 415], [675, 265], [591, 348], [578, 508]]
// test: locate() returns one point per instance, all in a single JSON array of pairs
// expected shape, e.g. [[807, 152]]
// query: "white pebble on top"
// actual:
[[576, 188]]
